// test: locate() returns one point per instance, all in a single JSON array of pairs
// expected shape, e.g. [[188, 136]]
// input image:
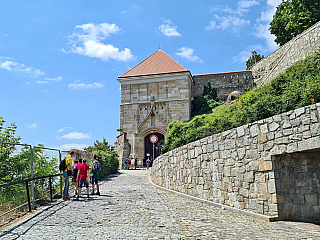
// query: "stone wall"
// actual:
[[242, 167], [285, 56], [123, 148], [225, 83]]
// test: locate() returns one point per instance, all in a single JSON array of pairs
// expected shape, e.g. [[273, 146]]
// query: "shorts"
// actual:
[[83, 181], [94, 180], [126, 165]]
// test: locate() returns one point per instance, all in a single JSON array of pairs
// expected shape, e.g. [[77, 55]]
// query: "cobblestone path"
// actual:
[[131, 208]]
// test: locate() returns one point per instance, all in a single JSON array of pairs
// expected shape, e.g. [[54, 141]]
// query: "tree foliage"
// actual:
[[106, 155], [299, 86], [255, 57], [206, 102], [293, 17]]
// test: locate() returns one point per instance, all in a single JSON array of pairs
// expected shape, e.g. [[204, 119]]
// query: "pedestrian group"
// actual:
[[80, 173]]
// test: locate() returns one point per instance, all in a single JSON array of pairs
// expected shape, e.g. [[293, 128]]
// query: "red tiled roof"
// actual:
[[157, 63]]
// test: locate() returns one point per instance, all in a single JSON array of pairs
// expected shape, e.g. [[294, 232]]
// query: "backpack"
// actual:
[[62, 165], [96, 167]]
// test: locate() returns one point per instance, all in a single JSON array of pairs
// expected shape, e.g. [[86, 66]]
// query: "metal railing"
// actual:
[[26, 181], [33, 153]]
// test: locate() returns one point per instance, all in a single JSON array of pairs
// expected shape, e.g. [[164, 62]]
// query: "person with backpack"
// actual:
[[67, 172], [95, 169]]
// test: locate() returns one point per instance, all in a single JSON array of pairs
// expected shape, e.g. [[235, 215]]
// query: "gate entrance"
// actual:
[[153, 149]]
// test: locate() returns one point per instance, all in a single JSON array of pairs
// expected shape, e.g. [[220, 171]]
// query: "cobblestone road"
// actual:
[[131, 208]]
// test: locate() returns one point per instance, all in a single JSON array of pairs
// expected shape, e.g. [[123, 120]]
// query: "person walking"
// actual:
[[144, 164], [140, 163], [74, 177], [126, 164], [66, 174], [82, 177], [133, 162], [148, 163], [129, 162], [95, 169]]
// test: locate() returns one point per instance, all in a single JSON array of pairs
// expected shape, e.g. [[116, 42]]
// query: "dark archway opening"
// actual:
[[151, 149]]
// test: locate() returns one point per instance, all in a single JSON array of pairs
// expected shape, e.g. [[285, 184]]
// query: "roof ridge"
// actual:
[[158, 62]]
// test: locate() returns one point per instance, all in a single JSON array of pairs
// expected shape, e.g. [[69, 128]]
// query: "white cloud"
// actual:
[[262, 25], [226, 22], [33, 126], [86, 40], [27, 83], [41, 82], [62, 129], [244, 55], [243, 7], [75, 135], [247, 4], [169, 29], [57, 79], [70, 146], [79, 85], [11, 65], [123, 12], [187, 53]]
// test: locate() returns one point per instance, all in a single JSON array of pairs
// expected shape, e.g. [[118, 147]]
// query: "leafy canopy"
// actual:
[[255, 57], [293, 17]]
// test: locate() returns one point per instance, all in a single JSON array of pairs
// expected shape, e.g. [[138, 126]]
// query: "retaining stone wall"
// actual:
[[225, 83], [285, 56], [239, 167]]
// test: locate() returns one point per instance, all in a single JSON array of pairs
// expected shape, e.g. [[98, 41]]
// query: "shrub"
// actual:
[[299, 86]]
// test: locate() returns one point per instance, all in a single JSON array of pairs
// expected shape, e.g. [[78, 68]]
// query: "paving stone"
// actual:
[[130, 208]]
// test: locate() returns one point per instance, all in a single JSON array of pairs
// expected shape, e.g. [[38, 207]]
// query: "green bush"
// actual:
[[299, 86]]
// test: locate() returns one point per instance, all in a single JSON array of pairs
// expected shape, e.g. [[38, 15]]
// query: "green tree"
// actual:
[[205, 103], [106, 155], [255, 57], [293, 17]]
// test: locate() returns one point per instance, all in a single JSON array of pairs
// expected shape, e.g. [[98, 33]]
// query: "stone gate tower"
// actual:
[[154, 93]]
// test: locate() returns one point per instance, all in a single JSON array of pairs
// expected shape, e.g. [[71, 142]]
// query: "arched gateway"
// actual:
[[154, 93]]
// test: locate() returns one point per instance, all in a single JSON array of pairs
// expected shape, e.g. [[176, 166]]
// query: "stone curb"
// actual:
[[251, 214]]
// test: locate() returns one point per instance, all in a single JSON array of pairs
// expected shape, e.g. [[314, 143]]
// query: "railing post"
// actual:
[[50, 184], [28, 196], [32, 182], [60, 176]]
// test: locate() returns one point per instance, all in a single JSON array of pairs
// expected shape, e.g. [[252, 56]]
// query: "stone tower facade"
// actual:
[[154, 93]]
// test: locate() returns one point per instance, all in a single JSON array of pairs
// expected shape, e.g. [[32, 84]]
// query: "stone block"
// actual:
[[273, 126], [262, 138], [240, 131], [249, 177], [271, 186], [286, 124], [299, 111], [311, 199], [255, 130], [264, 128], [265, 166]]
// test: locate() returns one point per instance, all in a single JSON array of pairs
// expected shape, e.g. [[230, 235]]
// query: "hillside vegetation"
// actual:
[[299, 86]]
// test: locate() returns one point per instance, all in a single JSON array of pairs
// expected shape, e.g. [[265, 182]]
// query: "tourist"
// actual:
[[148, 163], [129, 162], [66, 173], [126, 164], [144, 163], [133, 162], [82, 177], [74, 176], [140, 163], [95, 169]]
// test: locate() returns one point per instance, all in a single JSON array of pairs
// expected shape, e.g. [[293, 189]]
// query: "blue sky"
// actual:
[[59, 60]]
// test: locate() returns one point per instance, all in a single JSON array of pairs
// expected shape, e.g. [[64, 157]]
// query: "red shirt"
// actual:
[[83, 169]]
